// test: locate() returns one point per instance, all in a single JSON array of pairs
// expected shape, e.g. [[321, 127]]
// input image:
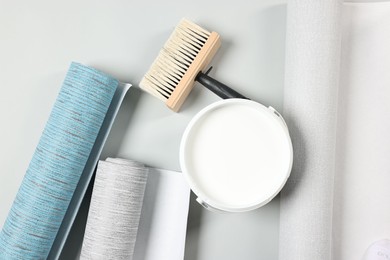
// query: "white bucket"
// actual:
[[236, 155]]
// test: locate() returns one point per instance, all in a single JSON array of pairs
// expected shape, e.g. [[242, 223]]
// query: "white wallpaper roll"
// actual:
[[362, 191], [310, 104], [163, 224], [115, 210]]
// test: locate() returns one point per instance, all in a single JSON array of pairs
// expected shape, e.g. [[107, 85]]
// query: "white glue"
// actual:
[[236, 154]]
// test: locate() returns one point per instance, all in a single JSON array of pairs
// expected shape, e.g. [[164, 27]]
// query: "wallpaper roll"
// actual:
[[115, 210], [74, 206], [361, 205], [310, 104], [57, 164], [163, 224]]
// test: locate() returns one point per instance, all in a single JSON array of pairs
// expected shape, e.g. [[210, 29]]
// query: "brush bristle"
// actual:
[[174, 59]]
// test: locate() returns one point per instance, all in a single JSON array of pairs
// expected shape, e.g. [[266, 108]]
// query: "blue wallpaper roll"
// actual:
[[56, 166]]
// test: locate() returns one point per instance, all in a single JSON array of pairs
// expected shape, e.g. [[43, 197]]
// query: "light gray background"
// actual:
[[39, 39]]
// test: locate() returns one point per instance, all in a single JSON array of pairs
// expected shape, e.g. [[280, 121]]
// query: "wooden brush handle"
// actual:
[[217, 87]]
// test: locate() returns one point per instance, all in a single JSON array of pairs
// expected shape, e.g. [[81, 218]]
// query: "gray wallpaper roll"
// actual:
[[310, 105], [115, 210]]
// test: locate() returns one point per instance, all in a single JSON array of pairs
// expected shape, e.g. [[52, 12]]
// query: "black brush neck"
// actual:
[[217, 87]]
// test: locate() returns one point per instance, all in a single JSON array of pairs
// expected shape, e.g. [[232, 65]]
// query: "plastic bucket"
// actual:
[[236, 155]]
